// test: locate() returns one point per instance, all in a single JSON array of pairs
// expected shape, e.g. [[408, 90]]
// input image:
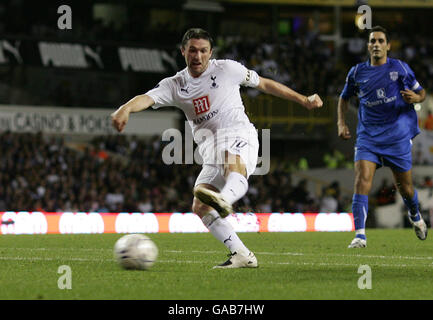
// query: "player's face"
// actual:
[[377, 45], [197, 53]]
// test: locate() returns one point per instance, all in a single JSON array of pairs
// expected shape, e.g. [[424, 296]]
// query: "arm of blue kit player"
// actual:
[[343, 105], [120, 117], [277, 89], [349, 86], [343, 129], [410, 96]]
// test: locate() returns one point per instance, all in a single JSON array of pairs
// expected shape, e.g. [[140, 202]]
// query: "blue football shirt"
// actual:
[[384, 118]]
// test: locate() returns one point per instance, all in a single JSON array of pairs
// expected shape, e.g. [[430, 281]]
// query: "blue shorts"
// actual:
[[398, 157]]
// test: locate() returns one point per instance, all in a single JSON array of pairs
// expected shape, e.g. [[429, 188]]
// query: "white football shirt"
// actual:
[[212, 101]]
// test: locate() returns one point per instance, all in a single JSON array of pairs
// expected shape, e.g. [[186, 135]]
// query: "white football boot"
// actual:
[[420, 228], [214, 200], [358, 243], [238, 260]]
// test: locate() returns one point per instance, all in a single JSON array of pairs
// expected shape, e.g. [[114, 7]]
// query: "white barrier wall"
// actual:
[[92, 222], [59, 120]]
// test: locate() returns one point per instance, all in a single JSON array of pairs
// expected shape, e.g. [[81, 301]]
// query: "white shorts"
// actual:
[[243, 143]]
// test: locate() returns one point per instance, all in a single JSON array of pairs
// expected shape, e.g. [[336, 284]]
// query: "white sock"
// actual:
[[235, 188], [224, 232], [360, 232]]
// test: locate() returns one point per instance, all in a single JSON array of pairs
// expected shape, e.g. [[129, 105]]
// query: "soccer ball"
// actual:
[[135, 251]]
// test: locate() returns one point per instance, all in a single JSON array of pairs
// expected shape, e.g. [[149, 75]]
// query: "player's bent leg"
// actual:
[[213, 199], [410, 198], [235, 187], [235, 173], [221, 229], [237, 156]]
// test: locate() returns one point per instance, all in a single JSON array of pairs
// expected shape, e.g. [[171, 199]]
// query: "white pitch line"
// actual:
[[84, 259], [58, 248], [349, 255], [321, 264], [50, 259], [314, 254], [221, 252]]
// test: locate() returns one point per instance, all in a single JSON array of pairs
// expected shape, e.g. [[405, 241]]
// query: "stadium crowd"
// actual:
[[302, 62], [117, 174]]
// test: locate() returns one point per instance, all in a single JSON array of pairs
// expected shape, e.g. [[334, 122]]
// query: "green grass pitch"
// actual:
[[298, 266]]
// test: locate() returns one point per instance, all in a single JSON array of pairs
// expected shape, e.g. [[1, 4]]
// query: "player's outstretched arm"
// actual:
[[120, 117], [277, 89], [343, 129]]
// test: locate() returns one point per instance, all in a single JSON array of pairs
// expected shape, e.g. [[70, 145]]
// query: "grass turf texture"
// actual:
[[314, 265]]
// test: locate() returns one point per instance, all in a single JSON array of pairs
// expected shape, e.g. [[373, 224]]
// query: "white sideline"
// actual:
[[321, 264], [221, 251], [263, 262], [313, 254]]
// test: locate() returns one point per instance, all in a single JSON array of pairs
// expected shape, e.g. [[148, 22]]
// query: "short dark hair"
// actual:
[[196, 33], [379, 29]]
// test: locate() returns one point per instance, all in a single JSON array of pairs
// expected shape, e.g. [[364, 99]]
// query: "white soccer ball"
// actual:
[[135, 251]]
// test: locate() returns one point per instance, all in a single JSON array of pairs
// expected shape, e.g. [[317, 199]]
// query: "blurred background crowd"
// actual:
[[116, 173]]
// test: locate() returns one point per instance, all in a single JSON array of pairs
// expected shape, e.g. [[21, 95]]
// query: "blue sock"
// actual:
[[413, 206], [360, 209]]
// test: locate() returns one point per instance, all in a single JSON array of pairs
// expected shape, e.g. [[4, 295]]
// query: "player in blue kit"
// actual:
[[387, 123]]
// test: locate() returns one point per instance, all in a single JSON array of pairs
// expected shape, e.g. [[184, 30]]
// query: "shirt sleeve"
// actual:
[[162, 94], [349, 87], [409, 79], [242, 75]]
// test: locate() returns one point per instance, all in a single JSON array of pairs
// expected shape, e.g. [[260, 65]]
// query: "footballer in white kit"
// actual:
[[207, 91], [212, 104]]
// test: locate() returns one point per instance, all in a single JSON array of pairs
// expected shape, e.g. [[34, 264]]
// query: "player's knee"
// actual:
[[406, 190], [234, 163], [363, 184]]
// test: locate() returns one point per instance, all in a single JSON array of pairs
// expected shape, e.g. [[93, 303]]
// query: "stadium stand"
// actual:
[[114, 174]]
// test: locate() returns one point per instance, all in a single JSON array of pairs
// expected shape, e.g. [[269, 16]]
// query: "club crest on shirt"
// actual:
[[393, 75], [214, 85]]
